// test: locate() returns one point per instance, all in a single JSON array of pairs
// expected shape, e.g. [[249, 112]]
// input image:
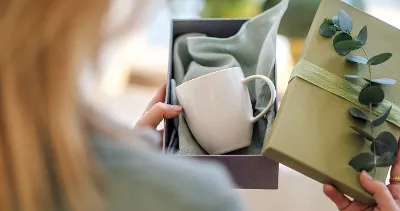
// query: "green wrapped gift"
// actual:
[[311, 132]]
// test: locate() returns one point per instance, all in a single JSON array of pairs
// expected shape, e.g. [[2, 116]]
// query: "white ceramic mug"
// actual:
[[218, 109]]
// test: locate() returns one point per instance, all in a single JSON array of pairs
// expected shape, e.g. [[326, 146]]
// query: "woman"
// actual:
[[57, 153]]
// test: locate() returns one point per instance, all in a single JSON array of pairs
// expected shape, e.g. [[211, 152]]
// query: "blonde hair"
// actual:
[[45, 160]]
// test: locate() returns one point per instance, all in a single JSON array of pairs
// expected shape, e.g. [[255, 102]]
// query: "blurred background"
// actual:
[[135, 65]]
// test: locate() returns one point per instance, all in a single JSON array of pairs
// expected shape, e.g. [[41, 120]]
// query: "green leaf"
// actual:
[[371, 95], [357, 113], [382, 118], [335, 20], [379, 59], [362, 35], [348, 45], [341, 37], [385, 142], [382, 81], [327, 28], [363, 133], [352, 76], [345, 22], [386, 160], [357, 59], [363, 161]]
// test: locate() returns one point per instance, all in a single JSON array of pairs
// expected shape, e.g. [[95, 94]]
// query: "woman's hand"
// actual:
[[156, 111], [386, 197]]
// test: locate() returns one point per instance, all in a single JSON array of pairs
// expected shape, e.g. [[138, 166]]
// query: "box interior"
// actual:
[[220, 28]]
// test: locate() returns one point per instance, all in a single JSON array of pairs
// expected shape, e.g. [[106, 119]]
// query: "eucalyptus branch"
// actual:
[[370, 105], [385, 144]]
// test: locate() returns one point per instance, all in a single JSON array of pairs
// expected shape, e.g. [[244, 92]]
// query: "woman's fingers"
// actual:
[[395, 171], [157, 113], [157, 110], [379, 190], [341, 201], [158, 97], [394, 186], [395, 191]]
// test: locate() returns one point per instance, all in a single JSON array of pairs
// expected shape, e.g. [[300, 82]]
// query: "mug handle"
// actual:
[[271, 88]]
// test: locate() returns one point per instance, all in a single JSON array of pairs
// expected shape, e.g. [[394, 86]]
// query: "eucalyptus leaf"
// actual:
[[382, 118], [381, 81], [335, 20], [348, 45], [386, 160], [345, 22], [352, 76], [363, 161], [341, 37], [357, 59], [362, 35], [371, 95], [379, 59], [327, 28], [363, 133], [384, 142], [384, 81], [357, 113]]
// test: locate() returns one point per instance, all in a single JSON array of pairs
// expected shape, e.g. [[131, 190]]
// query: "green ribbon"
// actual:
[[341, 87]]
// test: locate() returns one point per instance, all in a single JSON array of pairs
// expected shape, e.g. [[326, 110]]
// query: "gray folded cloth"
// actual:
[[253, 49]]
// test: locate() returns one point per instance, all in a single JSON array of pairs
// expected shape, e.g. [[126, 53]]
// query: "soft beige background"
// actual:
[[134, 66]]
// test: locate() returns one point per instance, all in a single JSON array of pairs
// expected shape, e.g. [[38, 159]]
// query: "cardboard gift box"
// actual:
[[311, 132], [248, 171]]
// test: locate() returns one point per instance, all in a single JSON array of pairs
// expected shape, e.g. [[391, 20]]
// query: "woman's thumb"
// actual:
[[379, 190], [157, 113]]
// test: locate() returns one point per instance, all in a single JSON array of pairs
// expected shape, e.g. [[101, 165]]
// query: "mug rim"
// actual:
[[207, 75]]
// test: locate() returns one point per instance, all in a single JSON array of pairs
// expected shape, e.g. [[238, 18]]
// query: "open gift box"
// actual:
[[248, 171]]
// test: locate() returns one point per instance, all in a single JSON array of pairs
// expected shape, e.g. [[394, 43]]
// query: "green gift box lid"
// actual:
[[311, 133]]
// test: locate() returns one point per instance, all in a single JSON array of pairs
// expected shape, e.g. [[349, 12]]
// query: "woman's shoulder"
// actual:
[[150, 181]]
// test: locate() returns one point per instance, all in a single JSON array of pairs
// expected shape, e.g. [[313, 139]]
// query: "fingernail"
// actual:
[[367, 175], [176, 108]]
